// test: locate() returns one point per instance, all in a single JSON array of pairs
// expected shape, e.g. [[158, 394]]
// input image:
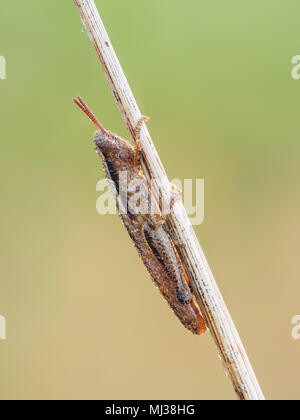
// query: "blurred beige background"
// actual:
[[83, 317]]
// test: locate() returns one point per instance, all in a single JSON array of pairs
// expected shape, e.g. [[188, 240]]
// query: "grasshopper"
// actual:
[[148, 231]]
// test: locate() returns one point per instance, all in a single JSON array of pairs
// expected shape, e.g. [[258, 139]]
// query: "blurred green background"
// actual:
[[83, 317]]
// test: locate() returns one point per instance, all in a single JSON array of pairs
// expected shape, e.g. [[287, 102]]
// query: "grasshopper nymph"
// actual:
[[146, 229]]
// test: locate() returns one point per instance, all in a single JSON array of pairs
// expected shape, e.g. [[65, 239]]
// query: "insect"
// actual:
[[147, 229]]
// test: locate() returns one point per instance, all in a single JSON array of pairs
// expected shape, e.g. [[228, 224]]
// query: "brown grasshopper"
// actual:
[[147, 229]]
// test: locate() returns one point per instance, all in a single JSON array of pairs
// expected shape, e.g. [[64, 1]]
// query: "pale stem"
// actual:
[[209, 298]]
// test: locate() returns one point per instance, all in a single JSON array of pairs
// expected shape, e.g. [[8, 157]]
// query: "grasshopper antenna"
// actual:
[[83, 106]]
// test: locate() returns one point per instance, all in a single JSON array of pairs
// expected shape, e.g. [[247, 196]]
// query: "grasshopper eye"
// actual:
[[100, 139]]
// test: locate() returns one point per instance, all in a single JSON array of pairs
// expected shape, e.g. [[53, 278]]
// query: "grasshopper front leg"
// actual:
[[137, 137]]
